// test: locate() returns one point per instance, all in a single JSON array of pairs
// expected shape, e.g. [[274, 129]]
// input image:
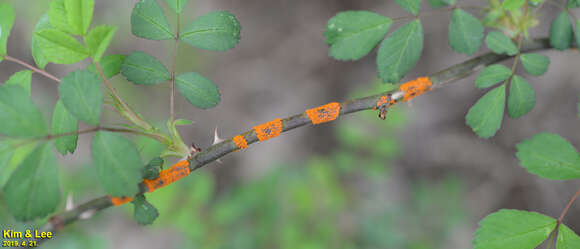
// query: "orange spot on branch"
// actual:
[[416, 87], [117, 201], [240, 142], [323, 114], [385, 100], [268, 130], [168, 176]]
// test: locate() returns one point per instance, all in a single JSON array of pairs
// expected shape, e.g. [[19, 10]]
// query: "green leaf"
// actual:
[[18, 115], [491, 75], [400, 52], [117, 162], [33, 189], [13, 156], [561, 32], [573, 4], [6, 23], [410, 5], [151, 170], [567, 239], [81, 94], [98, 40], [149, 22], [142, 68], [144, 212], [486, 115], [465, 32], [512, 4], [37, 54], [59, 47], [110, 64], [549, 156], [22, 78], [513, 229], [535, 64], [218, 30], [522, 97], [353, 34], [441, 3], [500, 44], [79, 14], [177, 5], [64, 122], [71, 16], [198, 90]]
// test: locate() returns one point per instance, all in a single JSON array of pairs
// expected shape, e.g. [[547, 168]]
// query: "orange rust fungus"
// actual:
[[118, 201], [240, 142], [385, 100], [268, 130], [323, 114], [168, 176], [416, 87]]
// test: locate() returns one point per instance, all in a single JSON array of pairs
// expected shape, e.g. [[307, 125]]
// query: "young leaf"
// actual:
[[465, 32], [522, 97], [561, 32], [177, 5], [6, 23], [400, 52], [486, 115], [410, 5], [441, 3], [98, 40], [64, 122], [218, 30], [79, 14], [149, 22], [514, 229], [492, 75], [37, 54], [71, 16], [500, 44], [183, 122], [151, 170], [33, 189], [567, 239], [535, 64], [353, 34], [512, 4], [117, 163], [22, 78], [198, 90], [549, 156], [142, 68], [18, 115], [81, 94], [59, 47], [144, 212], [111, 65]]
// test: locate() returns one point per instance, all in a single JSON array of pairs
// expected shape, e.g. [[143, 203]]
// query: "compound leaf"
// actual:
[[6, 23], [561, 33], [98, 40], [535, 64], [177, 5], [500, 44], [410, 5], [64, 122], [492, 75], [149, 22], [22, 78], [18, 115], [567, 239], [142, 68], [59, 47], [465, 32], [522, 97]]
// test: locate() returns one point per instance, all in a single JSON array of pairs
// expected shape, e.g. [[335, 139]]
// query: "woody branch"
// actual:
[[227, 146]]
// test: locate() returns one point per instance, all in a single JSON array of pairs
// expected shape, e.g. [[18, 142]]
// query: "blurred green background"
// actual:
[[419, 180]]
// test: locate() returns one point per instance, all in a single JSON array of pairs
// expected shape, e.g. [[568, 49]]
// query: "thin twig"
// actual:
[[574, 197], [33, 68], [225, 147]]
